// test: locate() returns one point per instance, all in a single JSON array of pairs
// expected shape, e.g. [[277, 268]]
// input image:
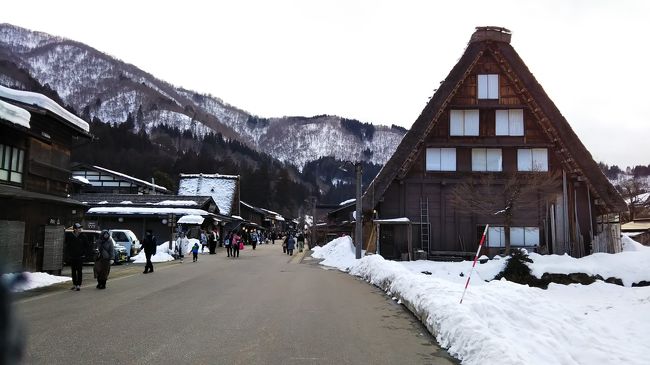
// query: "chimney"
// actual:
[[489, 33]]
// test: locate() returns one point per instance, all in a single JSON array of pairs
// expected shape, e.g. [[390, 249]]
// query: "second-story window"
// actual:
[[486, 159], [509, 122], [11, 164], [463, 122], [441, 159], [488, 86]]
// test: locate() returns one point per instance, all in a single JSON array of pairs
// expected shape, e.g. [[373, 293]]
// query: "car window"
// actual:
[[119, 236]]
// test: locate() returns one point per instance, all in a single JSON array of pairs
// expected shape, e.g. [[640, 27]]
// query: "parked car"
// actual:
[[89, 251], [127, 239]]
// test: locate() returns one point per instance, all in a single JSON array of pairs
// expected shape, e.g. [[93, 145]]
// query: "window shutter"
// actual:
[[496, 237], [493, 86], [482, 86], [524, 160], [433, 159], [540, 159], [493, 157], [456, 123], [448, 159], [531, 236], [516, 122], [478, 159], [501, 127], [471, 122], [516, 236]]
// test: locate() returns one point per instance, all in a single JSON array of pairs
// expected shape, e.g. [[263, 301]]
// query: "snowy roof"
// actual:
[[14, 114], [636, 226], [191, 219], [81, 179], [347, 202], [146, 210], [392, 220], [277, 216], [42, 101], [157, 187], [221, 188], [238, 217]]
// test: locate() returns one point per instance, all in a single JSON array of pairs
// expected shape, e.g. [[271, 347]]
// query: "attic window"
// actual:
[[509, 122], [463, 122], [488, 86], [532, 159]]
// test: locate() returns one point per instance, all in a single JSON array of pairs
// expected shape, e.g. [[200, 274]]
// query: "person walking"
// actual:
[[291, 243], [150, 245], [254, 239], [204, 240], [104, 253], [235, 242], [301, 241], [195, 252], [212, 242], [182, 246], [75, 246], [228, 243]]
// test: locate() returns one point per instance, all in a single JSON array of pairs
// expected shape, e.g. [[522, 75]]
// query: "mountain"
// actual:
[[102, 87]]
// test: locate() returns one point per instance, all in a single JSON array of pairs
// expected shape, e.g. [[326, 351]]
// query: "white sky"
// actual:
[[375, 61]]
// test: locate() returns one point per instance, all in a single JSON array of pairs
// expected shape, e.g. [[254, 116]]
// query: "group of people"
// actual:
[[290, 242], [103, 250]]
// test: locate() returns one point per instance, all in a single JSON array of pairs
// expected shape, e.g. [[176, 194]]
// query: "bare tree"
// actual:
[[633, 190], [504, 194]]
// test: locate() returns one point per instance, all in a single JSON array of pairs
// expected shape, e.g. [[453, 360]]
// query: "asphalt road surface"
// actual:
[[262, 308]]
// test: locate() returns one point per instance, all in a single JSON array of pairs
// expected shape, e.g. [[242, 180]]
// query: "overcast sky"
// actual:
[[375, 61]]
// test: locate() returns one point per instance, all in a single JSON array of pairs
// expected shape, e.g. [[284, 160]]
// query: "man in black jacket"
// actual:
[[149, 244], [75, 248]]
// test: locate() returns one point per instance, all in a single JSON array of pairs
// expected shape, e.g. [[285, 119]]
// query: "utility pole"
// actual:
[[358, 228]]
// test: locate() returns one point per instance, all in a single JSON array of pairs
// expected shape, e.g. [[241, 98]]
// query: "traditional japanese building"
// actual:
[[489, 133], [36, 136]]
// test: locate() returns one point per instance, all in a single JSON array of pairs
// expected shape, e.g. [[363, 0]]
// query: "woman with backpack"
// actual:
[[228, 243]]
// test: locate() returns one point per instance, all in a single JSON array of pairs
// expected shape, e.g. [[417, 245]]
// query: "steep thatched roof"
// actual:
[[575, 158]]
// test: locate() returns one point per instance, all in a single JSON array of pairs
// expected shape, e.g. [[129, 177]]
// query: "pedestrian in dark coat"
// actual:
[[301, 241], [228, 243], [150, 244], [75, 246], [104, 254], [291, 244]]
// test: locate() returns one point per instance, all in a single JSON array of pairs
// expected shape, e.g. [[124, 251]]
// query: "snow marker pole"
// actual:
[[480, 244]]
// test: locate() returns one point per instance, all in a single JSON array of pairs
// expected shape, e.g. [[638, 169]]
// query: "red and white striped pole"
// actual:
[[480, 244]]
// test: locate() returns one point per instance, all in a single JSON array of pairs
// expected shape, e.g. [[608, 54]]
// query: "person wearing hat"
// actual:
[[75, 245]]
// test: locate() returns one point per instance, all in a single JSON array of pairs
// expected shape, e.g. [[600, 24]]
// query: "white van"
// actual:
[[127, 239]]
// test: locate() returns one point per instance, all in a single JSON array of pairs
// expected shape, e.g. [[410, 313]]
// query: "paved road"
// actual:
[[263, 308]]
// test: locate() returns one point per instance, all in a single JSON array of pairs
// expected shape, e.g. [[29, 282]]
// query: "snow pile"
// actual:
[[338, 253], [34, 280], [501, 322]]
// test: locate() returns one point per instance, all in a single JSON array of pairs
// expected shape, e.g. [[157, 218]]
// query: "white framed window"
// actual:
[[486, 159], [488, 86], [524, 236], [441, 159], [496, 237], [463, 122], [532, 159], [509, 122]]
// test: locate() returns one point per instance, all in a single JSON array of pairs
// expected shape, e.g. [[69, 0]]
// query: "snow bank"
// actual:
[[501, 322], [163, 253], [35, 280]]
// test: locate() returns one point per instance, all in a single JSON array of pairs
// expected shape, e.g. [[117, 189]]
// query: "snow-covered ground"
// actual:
[[501, 322]]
